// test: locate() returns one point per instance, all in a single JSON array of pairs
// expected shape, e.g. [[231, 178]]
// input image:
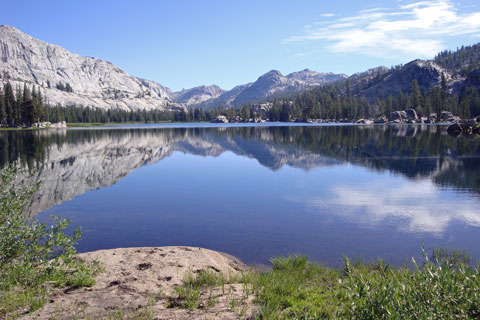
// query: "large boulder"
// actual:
[[364, 121], [456, 127], [399, 115], [236, 119], [59, 125], [468, 127], [411, 115], [220, 119], [454, 119], [381, 120], [445, 115]]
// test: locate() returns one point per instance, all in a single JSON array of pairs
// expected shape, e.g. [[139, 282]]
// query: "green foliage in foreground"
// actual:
[[438, 289], [446, 287], [299, 289], [188, 295], [33, 254]]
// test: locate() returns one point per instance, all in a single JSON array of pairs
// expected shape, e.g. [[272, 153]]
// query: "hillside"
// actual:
[[69, 79], [273, 84], [66, 78]]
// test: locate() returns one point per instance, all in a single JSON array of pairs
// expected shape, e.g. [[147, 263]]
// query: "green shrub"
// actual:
[[33, 253], [439, 289], [443, 288]]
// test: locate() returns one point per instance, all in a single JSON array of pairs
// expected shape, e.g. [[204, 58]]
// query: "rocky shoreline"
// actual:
[[144, 280], [409, 116]]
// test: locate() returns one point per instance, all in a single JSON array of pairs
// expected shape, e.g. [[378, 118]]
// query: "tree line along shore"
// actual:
[[26, 107]]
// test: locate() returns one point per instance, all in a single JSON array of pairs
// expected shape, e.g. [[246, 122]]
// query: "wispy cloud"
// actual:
[[417, 29]]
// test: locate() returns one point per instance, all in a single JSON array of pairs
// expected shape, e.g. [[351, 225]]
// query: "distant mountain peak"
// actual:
[[272, 74]]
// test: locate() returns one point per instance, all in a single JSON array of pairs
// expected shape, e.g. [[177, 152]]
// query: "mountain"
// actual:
[[66, 78], [310, 77], [427, 74], [460, 69], [197, 95], [70, 79], [271, 85]]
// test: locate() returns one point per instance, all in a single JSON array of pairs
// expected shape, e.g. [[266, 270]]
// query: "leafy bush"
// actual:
[[32, 253], [439, 289], [443, 288]]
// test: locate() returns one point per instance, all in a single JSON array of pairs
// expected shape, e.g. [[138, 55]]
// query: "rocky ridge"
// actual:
[[273, 84], [66, 78], [69, 79], [427, 73], [197, 95]]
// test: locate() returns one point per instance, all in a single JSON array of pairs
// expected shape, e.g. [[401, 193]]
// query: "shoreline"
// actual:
[[180, 282], [111, 125]]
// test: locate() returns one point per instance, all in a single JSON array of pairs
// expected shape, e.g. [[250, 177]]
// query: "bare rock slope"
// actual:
[[70, 79], [273, 84], [66, 78]]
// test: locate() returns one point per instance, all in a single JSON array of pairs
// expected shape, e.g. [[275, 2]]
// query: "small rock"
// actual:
[[144, 266]]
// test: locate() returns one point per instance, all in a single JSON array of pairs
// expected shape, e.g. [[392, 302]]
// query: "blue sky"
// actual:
[[186, 43]]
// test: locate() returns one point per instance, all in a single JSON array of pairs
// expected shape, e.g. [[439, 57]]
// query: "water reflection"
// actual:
[[421, 206], [340, 180]]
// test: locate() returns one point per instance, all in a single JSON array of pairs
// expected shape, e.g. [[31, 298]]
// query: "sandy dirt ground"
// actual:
[[139, 283]]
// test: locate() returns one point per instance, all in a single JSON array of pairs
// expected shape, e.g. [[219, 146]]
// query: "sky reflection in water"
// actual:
[[261, 192]]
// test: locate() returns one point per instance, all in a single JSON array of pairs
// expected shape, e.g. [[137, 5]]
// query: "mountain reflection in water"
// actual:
[[324, 191]]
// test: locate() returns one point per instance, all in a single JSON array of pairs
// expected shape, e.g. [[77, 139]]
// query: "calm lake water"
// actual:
[[259, 191]]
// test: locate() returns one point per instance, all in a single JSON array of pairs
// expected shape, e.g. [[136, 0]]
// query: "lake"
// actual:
[[259, 191]]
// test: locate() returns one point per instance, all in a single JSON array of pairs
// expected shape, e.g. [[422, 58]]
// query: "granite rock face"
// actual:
[[273, 84], [67, 79], [70, 79], [197, 95], [426, 73]]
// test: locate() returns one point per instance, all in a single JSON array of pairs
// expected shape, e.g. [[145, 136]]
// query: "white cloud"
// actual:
[[417, 30], [327, 15]]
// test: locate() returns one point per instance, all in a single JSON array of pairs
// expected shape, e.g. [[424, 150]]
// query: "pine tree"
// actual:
[[38, 109], [416, 97], [9, 99], [3, 111], [27, 110]]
